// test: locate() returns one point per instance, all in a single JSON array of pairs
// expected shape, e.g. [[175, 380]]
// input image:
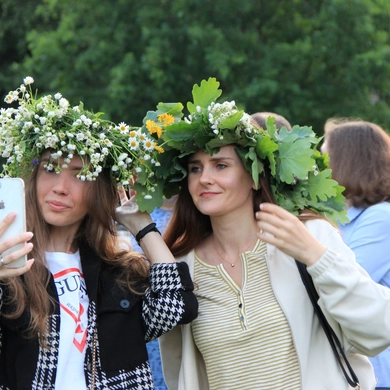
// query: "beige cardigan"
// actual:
[[357, 308]]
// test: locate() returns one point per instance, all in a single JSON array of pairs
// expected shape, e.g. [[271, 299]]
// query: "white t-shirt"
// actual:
[[72, 293]]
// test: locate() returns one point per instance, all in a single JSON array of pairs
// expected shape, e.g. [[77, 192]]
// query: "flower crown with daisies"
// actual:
[[50, 123], [299, 174]]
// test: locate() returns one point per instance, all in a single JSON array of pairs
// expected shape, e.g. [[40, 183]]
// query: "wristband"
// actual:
[[147, 229]]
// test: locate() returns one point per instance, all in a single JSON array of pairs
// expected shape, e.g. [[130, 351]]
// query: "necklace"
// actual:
[[228, 262]]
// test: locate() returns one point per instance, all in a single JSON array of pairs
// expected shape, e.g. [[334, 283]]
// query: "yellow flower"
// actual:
[[167, 119], [159, 149], [153, 127]]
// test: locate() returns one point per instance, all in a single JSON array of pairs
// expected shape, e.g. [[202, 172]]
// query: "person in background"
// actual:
[[244, 213], [81, 315], [261, 118], [359, 154]]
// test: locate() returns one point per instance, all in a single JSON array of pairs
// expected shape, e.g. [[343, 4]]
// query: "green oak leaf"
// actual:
[[205, 94]]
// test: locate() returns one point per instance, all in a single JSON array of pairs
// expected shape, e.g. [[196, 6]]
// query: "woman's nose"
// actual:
[[206, 176], [61, 183]]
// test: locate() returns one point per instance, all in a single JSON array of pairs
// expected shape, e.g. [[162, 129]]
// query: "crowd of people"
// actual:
[[243, 202]]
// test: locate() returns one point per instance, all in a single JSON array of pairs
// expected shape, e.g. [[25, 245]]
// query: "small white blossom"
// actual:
[[87, 122], [28, 80]]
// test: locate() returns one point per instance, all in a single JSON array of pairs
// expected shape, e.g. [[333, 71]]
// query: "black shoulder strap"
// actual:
[[351, 378]]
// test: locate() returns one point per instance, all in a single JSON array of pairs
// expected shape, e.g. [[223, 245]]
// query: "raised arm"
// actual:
[[151, 243]]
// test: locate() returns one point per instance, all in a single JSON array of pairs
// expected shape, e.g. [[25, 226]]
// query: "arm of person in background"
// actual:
[[369, 239]]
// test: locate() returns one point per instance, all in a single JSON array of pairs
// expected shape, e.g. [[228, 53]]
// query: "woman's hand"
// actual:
[[152, 243], [129, 215], [288, 234], [6, 261]]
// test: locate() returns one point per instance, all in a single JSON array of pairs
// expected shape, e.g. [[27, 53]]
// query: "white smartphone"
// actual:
[[12, 198]]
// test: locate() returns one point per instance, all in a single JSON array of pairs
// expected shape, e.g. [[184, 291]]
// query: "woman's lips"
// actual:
[[57, 206], [208, 194]]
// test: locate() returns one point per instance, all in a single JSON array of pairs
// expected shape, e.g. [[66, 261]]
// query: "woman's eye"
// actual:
[[193, 169], [221, 166]]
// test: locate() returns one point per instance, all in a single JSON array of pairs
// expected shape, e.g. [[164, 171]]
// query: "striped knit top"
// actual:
[[242, 333]]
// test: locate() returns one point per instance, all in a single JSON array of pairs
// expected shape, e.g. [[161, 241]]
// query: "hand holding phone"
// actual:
[[12, 199]]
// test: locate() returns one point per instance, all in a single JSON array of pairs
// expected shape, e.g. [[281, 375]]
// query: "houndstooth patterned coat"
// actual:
[[119, 324]]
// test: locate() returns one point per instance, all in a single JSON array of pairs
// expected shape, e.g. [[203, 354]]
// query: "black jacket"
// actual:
[[120, 321]]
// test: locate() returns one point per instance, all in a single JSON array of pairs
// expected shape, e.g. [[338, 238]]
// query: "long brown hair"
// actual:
[[97, 230], [359, 155], [188, 226]]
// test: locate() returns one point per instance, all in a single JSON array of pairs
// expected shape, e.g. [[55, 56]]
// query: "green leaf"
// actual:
[[251, 163], [265, 146], [205, 94], [321, 186], [232, 121], [271, 127], [174, 109], [294, 160], [180, 131], [148, 205], [299, 132]]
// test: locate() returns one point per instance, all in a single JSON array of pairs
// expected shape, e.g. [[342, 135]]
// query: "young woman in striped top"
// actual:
[[256, 328]]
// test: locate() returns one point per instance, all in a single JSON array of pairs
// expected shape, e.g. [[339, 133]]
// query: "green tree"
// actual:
[[16, 18], [305, 59]]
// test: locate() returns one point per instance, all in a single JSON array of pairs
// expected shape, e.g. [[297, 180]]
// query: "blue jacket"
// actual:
[[368, 235]]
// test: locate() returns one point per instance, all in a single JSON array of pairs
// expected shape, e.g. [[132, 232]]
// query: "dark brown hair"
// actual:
[[97, 230], [359, 154]]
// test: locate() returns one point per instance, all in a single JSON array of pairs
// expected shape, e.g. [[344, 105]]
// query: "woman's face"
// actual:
[[219, 184], [61, 196]]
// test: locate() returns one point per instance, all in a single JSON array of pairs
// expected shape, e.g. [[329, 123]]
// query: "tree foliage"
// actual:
[[305, 59]]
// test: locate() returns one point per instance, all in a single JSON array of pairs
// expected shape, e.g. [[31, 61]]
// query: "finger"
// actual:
[[15, 240], [6, 222], [11, 257], [132, 192], [274, 209], [12, 272], [122, 195]]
